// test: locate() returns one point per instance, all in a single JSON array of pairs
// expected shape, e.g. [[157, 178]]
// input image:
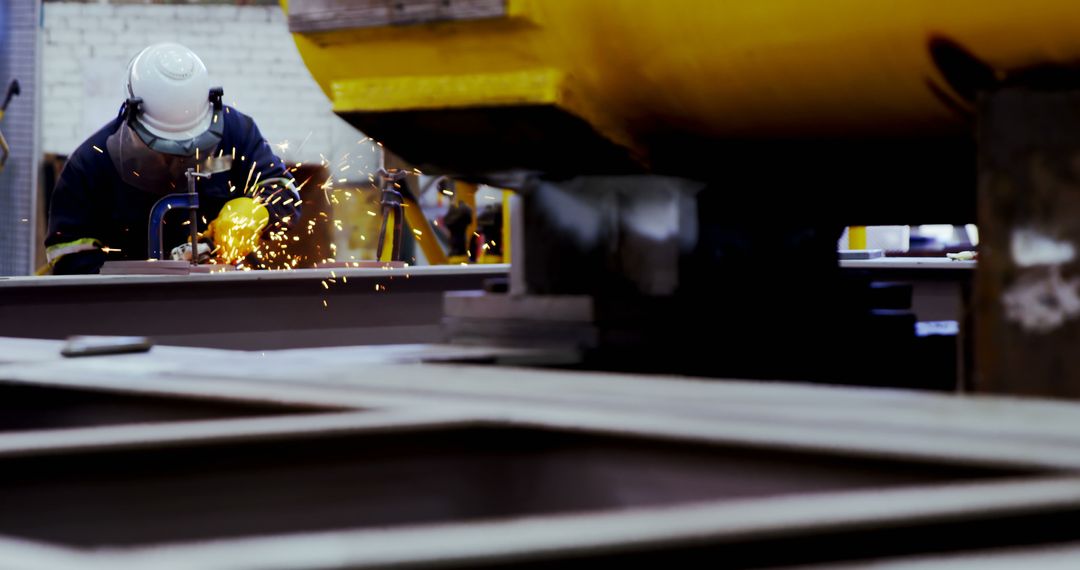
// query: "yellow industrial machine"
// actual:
[[680, 154], [640, 74]]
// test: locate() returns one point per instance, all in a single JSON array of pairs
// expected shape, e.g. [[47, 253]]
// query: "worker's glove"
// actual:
[[183, 252], [237, 229]]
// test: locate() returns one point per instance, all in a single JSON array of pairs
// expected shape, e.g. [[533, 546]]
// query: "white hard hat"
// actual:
[[173, 85]]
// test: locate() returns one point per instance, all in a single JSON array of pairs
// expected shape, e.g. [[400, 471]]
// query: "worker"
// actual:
[[171, 121]]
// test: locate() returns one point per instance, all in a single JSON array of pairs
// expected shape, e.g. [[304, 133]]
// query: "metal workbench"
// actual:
[[243, 310]]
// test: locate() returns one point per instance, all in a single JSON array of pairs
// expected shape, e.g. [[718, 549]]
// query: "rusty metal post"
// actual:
[[1027, 297]]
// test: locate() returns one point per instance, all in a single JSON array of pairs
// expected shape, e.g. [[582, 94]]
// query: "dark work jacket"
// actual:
[[91, 203]]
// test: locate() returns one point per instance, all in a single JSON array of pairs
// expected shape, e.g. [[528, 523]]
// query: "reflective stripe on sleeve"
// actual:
[[54, 252]]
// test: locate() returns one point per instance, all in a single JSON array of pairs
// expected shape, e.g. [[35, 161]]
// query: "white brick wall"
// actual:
[[247, 50]]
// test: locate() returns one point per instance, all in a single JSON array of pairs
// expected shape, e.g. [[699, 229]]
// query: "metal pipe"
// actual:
[[193, 218], [392, 214]]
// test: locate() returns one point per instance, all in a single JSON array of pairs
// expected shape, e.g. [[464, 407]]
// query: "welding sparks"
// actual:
[[247, 183], [305, 141], [255, 184], [110, 250], [98, 149], [271, 253]]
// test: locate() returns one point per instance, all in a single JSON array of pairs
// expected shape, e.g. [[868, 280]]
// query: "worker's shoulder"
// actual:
[[237, 121], [94, 148]]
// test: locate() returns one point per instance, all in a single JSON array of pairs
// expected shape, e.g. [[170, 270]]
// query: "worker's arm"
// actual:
[[73, 245], [271, 183]]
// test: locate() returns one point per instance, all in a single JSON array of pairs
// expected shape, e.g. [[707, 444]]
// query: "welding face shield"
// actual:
[[172, 118], [156, 164]]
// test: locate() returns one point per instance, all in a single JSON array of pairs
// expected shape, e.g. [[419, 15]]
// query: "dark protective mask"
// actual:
[[146, 169]]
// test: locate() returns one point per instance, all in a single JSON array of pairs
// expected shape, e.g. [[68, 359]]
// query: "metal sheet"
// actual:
[[611, 468]]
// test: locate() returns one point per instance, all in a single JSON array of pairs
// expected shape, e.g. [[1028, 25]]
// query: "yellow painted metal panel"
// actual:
[[387, 251], [429, 244], [527, 87]]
